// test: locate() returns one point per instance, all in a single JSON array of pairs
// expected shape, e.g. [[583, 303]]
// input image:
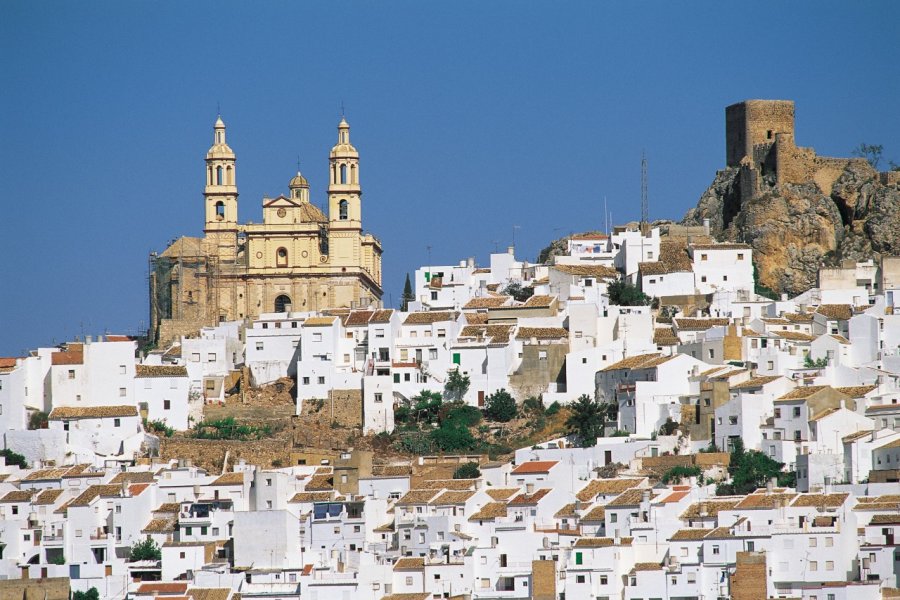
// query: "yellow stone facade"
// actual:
[[297, 259]]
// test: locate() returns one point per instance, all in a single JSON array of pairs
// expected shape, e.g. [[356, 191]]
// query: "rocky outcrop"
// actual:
[[796, 228]]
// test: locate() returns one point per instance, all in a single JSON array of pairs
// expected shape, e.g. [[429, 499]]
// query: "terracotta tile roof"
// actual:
[[794, 336], [71, 357], [427, 318], [406, 564], [234, 478], [358, 318], [798, 317], [210, 593], [382, 316], [311, 497], [646, 566], [161, 525], [384, 528], [320, 482], [487, 302], [855, 436], [856, 391], [417, 497], [391, 470], [17, 496], [598, 271], [763, 500], [665, 336], [544, 333], [630, 497], [710, 507], [96, 491], [46, 474], [689, 534], [539, 301], [160, 371], [566, 511], [160, 587], [450, 497], [823, 414], [817, 500], [755, 382], [476, 318], [491, 510], [134, 477], [840, 312], [409, 596], [879, 407], [92, 412], [641, 361], [535, 466], [319, 321], [501, 493], [885, 519], [594, 542], [588, 236], [525, 499], [607, 487], [495, 333], [597, 513], [82, 470], [804, 392], [447, 484], [168, 507], [721, 247], [481, 271], [47, 497], [675, 496], [690, 324]]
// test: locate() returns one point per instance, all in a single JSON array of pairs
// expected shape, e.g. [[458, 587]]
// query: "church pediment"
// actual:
[[281, 201]]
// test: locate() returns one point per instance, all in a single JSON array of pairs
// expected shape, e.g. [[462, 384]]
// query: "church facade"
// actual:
[[298, 259]]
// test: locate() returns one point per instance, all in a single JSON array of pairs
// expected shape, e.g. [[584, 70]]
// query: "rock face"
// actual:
[[794, 228]]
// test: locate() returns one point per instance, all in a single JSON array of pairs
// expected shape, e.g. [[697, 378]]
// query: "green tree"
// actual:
[[91, 594], [552, 409], [453, 437], [456, 387], [145, 550], [533, 405], [58, 559], [425, 406], [669, 427], [38, 420], [871, 152], [750, 470], [586, 420], [14, 458], [500, 406], [468, 470], [518, 292], [622, 293], [468, 416], [407, 295], [677, 473]]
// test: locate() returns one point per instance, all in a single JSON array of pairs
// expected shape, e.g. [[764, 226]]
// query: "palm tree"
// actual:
[[586, 420]]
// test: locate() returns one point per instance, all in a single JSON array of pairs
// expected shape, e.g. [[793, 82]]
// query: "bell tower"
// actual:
[[221, 192], [344, 194]]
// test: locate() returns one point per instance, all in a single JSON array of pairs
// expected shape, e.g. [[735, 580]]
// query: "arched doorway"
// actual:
[[282, 303]]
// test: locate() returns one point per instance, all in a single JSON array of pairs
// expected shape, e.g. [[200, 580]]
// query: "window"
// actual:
[[317, 337], [379, 333], [259, 345], [123, 392], [434, 295], [409, 581], [122, 370], [281, 260], [812, 542], [195, 357], [432, 354], [813, 565], [777, 413], [456, 359], [829, 565], [703, 279], [181, 555], [306, 381], [715, 550], [378, 398], [117, 422], [71, 373], [342, 206], [704, 256], [167, 404], [829, 542], [614, 518], [740, 256], [321, 381], [579, 579], [579, 558], [796, 411], [188, 531], [604, 580]]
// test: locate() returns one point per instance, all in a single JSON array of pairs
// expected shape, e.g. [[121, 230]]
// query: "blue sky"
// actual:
[[470, 118]]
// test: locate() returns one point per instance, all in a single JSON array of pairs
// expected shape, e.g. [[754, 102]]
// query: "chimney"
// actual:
[[511, 250], [471, 262], [126, 493], [706, 226], [88, 339]]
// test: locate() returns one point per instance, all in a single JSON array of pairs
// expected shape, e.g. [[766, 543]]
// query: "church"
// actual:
[[297, 259]]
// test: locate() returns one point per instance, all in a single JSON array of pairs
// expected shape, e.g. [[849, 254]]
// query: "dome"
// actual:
[[299, 181]]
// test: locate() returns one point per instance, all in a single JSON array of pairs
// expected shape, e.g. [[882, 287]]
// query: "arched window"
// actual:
[[220, 210], [218, 137], [282, 303], [281, 257], [209, 177], [343, 173], [218, 175], [230, 172], [342, 210], [353, 176]]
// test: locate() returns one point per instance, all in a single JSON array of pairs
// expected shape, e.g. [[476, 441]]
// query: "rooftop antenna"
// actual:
[[606, 216], [218, 108], [514, 234], [342, 109], [298, 163]]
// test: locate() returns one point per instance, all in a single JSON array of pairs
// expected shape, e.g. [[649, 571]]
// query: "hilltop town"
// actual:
[[637, 416]]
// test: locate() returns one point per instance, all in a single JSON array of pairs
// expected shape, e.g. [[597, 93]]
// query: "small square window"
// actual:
[[123, 392], [167, 404], [117, 422], [71, 373]]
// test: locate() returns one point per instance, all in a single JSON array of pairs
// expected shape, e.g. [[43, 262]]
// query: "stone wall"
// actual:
[[535, 373], [749, 579], [52, 588], [752, 123], [210, 454]]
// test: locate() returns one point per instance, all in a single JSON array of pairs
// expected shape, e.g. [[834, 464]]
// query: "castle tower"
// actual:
[[221, 192], [344, 194], [751, 128]]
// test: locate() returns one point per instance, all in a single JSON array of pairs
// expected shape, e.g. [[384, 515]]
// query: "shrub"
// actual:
[[468, 470], [669, 427], [586, 420], [533, 405], [519, 293], [500, 406], [229, 429], [14, 458], [38, 420], [676, 474], [145, 550], [91, 594], [456, 387], [159, 426], [59, 559], [750, 470], [619, 433], [465, 415], [622, 293], [552, 409], [453, 437]]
